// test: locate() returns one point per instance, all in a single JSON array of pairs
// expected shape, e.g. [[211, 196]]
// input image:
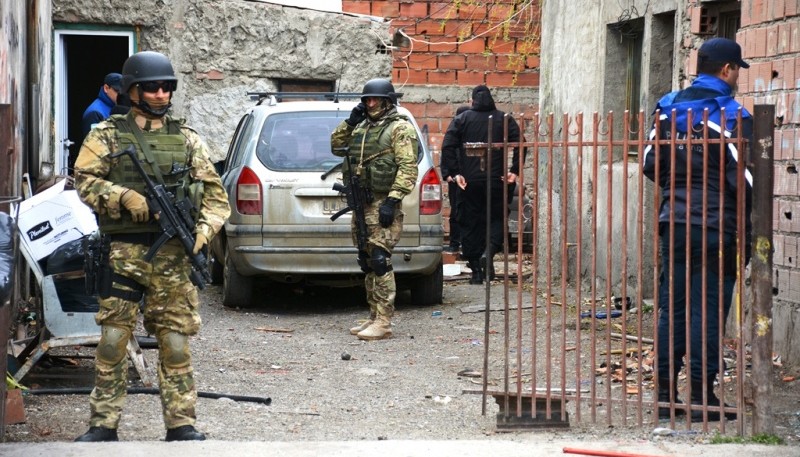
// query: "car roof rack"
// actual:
[[275, 97]]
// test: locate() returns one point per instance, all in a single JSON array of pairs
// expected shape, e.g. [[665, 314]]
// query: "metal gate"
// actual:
[[577, 289]]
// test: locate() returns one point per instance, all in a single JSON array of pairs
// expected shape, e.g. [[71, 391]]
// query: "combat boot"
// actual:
[[380, 329], [99, 434], [487, 265], [663, 397], [713, 400], [184, 433], [358, 328], [477, 272]]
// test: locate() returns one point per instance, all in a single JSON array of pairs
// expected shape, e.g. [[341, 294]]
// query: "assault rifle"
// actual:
[[175, 220], [358, 197]]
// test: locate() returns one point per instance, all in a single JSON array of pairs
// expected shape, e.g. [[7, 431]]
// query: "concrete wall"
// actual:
[[770, 38], [223, 49]]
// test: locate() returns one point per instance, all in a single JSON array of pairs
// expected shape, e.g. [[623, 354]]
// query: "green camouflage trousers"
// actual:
[[381, 290], [170, 306]]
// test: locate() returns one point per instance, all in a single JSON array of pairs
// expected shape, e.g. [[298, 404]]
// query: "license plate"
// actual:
[[332, 205]]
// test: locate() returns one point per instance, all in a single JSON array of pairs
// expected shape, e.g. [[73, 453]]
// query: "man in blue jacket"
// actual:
[[100, 108], [708, 205]]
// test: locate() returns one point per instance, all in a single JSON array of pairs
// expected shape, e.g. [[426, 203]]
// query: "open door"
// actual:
[[82, 59]]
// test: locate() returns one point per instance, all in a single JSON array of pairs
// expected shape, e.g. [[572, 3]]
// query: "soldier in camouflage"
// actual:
[[383, 151], [176, 157]]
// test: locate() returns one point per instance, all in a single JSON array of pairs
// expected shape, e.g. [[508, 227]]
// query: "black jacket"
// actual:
[[688, 197], [472, 126]]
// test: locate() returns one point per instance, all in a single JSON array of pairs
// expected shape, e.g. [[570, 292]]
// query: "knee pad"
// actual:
[[381, 261], [113, 344], [363, 261], [174, 349]]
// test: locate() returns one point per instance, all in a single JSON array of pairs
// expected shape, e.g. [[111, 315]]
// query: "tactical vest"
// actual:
[[377, 164], [169, 153]]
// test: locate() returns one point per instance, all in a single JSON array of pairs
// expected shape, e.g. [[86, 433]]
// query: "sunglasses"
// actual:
[[153, 86]]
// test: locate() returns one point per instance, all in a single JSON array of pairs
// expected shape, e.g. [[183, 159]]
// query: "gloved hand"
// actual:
[[199, 241], [386, 211], [135, 203], [358, 114]]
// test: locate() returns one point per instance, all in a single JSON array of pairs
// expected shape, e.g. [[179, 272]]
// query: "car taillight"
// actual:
[[248, 192], [430, 194]]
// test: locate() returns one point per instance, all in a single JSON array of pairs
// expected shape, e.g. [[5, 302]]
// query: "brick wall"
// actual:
[[444, 54], [770, 40]]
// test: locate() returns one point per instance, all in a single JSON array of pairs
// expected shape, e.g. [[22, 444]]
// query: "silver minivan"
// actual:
[[279, 174]]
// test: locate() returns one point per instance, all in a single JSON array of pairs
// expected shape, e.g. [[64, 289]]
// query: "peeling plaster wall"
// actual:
[[223, 49]]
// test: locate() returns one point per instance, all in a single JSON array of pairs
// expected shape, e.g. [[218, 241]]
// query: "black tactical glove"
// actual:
[[358, 114], [386, 211]]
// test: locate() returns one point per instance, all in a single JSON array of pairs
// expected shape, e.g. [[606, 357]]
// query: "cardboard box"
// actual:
[[53, 217]]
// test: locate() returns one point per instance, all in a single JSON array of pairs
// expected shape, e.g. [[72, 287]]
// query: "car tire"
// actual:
[[237, 290], [217, 270], [427, 290]]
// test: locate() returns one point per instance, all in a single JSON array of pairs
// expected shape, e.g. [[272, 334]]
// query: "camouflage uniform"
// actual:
[[402, 151], [170, 299]]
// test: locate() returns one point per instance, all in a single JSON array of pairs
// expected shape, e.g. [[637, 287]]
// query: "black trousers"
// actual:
[[472, 218], [453, 195]]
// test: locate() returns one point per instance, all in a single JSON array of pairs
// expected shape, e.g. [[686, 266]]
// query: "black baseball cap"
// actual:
[[114, 80], [722, 50]]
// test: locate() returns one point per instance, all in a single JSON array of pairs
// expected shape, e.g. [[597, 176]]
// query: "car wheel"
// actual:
[[217, 270], [427, 290], [237, 290]]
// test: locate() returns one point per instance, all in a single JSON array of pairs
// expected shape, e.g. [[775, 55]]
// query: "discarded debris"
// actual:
[[274, 330]]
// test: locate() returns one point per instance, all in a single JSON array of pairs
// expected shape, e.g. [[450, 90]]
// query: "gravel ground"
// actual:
[[324, 383]]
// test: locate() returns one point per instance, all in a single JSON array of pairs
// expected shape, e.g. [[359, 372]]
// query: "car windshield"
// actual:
[[299, 141]]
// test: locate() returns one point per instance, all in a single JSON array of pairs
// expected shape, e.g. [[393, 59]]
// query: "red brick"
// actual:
[[471, 78], [748, 43], [422, 61], [475, 46], [744, 15], [414, 9], [789, 250], [413, 76], [500, 79], [472, 12], [500, 12], [788, 74], [777, 244], [357, 7], [444, 45], [778, 9], [532, 62], [784, 37], [784, 224], [429, 27], [481, 62], [452, 62], [790, 8], [501, 46], [417, 109], [787, 143], [760, 49], [794, 37], [445, 110], [695, 13], [758, 13], [388, 9], [528, 79], [443, 11], [772, 41], [442, 77], [510, 63]]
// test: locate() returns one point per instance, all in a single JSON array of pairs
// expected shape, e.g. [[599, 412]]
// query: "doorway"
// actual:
[[82, 59]]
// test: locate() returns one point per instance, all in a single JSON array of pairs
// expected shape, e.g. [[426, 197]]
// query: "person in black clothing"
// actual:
[[690, 198], [452, 194], [469, 172]]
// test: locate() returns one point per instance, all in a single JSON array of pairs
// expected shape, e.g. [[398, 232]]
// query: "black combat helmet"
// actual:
[[146, 66], [379, 87]]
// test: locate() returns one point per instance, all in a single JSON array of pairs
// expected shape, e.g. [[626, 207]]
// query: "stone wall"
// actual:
[[221, 49]]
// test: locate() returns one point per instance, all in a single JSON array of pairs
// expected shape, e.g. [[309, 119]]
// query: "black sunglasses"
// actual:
[[153, 86]]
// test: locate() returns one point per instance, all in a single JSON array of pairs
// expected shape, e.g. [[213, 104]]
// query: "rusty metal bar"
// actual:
[[537, 123], [640, 271], [592, 322], [549, 268], [578, 263], [761, 271], [609, 250], [564, 258]]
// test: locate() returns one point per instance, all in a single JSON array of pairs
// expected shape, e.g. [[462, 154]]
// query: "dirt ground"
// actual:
[[293, 347]]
